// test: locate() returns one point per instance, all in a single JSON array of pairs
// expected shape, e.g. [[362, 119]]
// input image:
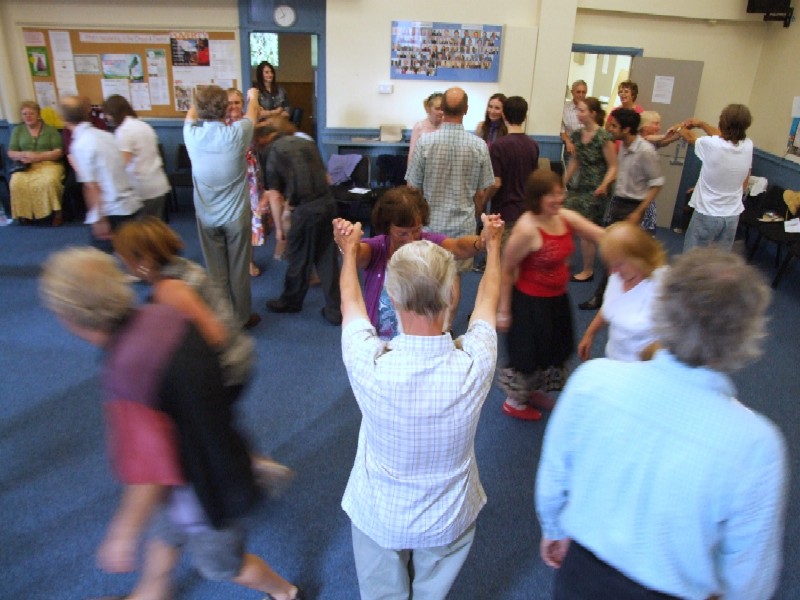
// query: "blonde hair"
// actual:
[[85, 287], [625, 240], [420, 278], [147, 239]]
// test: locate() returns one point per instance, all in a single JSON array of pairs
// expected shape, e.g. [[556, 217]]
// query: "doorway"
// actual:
[[666, 86], [294, 56], [602, 73]]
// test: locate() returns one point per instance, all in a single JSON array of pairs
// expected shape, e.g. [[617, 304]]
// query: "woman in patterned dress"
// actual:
[[595, 160]]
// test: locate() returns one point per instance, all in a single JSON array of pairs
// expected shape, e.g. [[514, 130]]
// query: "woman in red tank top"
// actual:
[[534, 307]]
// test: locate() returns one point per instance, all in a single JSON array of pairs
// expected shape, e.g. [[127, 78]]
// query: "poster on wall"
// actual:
[[445, 51], [190, 49], [793, 145], [37, 57]]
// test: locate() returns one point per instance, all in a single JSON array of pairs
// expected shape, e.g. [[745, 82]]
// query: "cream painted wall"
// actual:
[[688, 9], [218, 15], [777, 82], [730, 50], [355, 69]]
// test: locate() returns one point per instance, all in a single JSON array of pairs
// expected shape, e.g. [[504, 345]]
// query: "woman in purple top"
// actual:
[[399, 215]]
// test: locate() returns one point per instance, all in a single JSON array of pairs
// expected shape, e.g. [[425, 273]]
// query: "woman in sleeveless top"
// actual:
[[534, 306]]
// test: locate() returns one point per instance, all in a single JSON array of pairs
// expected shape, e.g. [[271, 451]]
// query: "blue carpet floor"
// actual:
[[57, 495]]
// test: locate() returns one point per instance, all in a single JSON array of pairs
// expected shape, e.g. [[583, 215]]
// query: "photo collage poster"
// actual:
[[445, 51]]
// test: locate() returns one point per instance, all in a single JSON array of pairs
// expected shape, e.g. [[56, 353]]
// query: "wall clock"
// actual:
[[284, 15]]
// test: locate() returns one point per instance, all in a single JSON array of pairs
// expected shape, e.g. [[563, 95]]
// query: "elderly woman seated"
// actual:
[[37, 186], [400, 215]]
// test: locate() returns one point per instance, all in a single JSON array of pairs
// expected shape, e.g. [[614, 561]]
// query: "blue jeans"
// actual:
[[705, 230]]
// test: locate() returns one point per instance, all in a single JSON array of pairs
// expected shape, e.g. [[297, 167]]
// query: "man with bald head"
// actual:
[[453, 169], [95, 157]]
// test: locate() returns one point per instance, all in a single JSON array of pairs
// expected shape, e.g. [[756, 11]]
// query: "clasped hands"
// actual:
[[493, 227], [347, 235]]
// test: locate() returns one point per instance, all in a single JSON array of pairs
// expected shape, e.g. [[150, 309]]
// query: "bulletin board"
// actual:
[[156, 71]]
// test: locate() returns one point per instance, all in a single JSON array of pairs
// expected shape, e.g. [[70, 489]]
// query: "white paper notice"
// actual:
[[792, 226], [60, 45], [159, 90], [116, 86], [796, 107], [33, 38], [45, 93], [65, 77], [140, 96], [87, 64], [662, 89], [224, 59]]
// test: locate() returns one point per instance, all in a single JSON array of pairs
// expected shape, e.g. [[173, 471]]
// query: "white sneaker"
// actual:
[[5, 221]]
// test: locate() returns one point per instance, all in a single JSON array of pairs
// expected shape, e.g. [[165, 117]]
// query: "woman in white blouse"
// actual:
[[636, 262]]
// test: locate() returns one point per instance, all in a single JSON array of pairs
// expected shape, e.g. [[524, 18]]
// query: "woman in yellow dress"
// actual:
[[36, 190]]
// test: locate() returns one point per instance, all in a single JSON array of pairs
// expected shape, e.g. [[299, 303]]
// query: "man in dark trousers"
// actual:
[[294, 171]]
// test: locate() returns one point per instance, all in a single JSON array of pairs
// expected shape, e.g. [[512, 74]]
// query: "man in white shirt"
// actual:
[[727, 156], [110, 198], [569, 119], [414, 493]]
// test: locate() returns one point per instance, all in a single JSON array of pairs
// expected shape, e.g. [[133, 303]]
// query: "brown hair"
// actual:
[[401, 206], [146, 239], [540, 183], [503, 127], [594, 106], [117, 107], [734, 121], [632, 86]]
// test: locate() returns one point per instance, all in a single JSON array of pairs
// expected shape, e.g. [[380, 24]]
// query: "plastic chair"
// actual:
[[297, 117], [356, 206]]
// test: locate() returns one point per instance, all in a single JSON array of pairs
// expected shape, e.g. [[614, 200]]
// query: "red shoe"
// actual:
[[526, 414], [542, 400]]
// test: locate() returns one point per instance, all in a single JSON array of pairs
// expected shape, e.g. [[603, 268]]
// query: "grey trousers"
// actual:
[[226, 250], [424, 573]]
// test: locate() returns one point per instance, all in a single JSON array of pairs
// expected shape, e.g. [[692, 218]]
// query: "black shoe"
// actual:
[[592, 303], [252, 321], [278, 305], [332, 317]]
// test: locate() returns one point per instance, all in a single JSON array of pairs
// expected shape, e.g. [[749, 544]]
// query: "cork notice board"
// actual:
[[155, 70]]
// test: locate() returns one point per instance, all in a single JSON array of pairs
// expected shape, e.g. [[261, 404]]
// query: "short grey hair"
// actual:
[[85, 287], [710, 310], [420, 278], [211, 102]]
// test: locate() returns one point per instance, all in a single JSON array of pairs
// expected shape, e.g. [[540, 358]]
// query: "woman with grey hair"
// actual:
[[710, 310], [185, 470], [87, 291]]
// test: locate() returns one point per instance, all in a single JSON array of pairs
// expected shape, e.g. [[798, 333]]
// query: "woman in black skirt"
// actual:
[[534, 306]]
